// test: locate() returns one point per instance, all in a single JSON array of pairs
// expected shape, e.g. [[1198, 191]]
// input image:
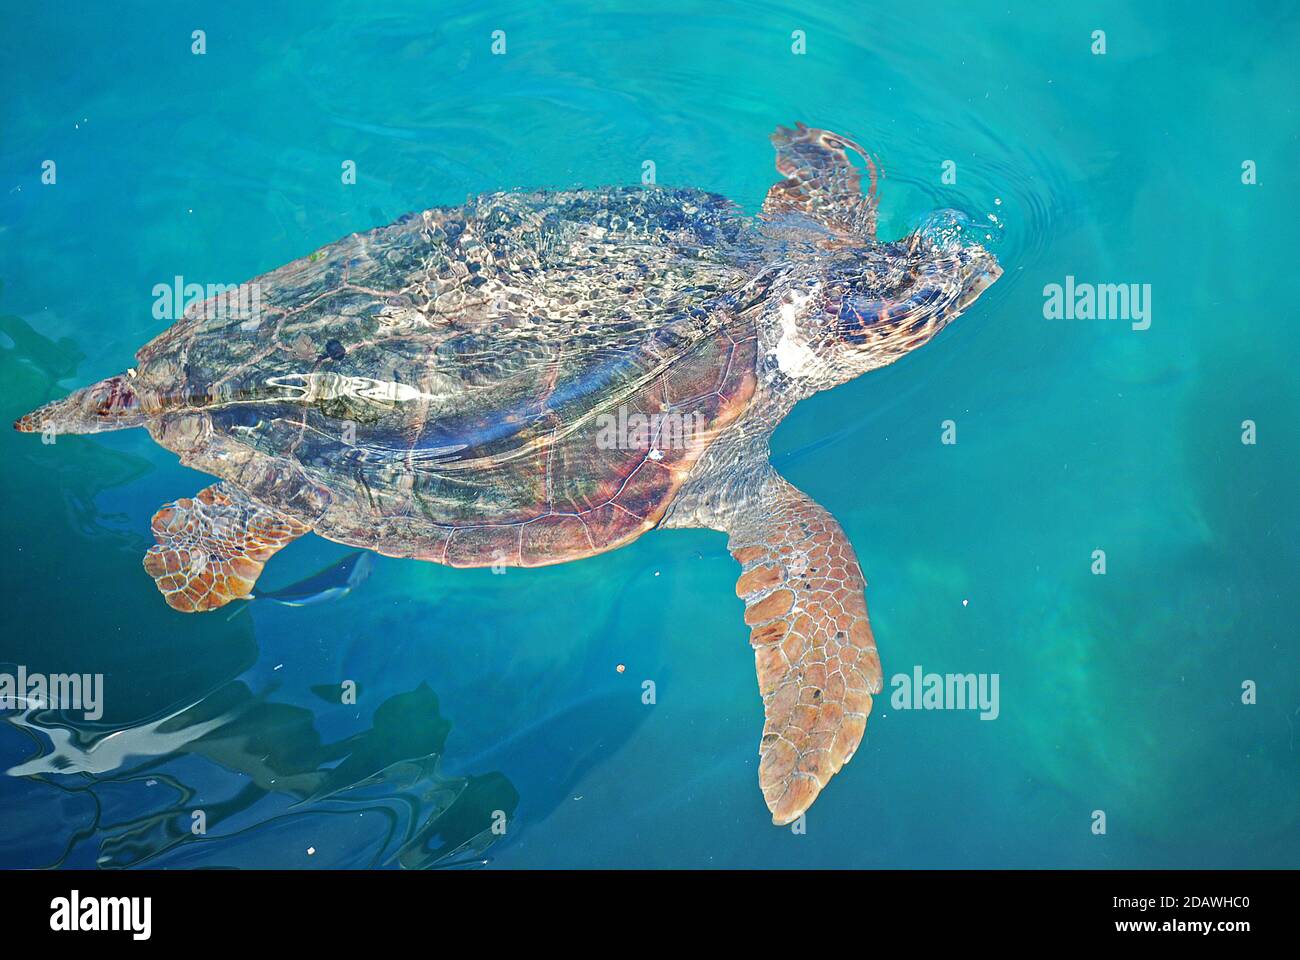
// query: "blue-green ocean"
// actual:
[[1148, 716]]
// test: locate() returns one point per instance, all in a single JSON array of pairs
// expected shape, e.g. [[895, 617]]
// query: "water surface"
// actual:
[[479, 693]]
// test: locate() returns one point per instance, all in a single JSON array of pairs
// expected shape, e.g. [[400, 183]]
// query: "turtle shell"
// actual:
[[523, 380]]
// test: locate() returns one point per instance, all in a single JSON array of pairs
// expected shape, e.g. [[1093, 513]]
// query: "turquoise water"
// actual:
[[479, 693]]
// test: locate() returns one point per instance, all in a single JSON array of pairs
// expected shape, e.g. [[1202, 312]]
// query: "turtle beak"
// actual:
[[982, 272]]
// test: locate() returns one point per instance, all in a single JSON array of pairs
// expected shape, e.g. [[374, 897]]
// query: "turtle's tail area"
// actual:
[[111, 404]]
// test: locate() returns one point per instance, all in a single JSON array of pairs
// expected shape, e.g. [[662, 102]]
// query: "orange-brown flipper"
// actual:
[[813, 648], [211, 549], [822, 184]]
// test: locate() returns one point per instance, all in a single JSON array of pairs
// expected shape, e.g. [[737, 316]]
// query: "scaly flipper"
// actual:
[[822, 184], [211, 549], [816, 657]]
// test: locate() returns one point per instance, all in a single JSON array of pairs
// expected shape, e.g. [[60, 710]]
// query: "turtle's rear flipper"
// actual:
[[816, 657], [211, 549]]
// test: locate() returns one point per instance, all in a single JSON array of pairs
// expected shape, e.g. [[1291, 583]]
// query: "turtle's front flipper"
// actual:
[[211, 549], [822, 184], [816, 657]]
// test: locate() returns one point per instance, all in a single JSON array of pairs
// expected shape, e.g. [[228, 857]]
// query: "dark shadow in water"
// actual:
[[286, 771]]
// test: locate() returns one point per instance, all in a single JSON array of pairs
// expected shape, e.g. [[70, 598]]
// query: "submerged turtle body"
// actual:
[[538, 377], [457, 386]]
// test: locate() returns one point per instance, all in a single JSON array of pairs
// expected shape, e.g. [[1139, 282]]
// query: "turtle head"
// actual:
[[866, 307], [110, 404]]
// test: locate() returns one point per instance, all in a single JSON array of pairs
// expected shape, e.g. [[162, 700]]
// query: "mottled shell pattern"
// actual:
[[524, 380]]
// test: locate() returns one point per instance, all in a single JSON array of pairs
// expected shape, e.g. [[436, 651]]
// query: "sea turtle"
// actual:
[[533, 378]]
